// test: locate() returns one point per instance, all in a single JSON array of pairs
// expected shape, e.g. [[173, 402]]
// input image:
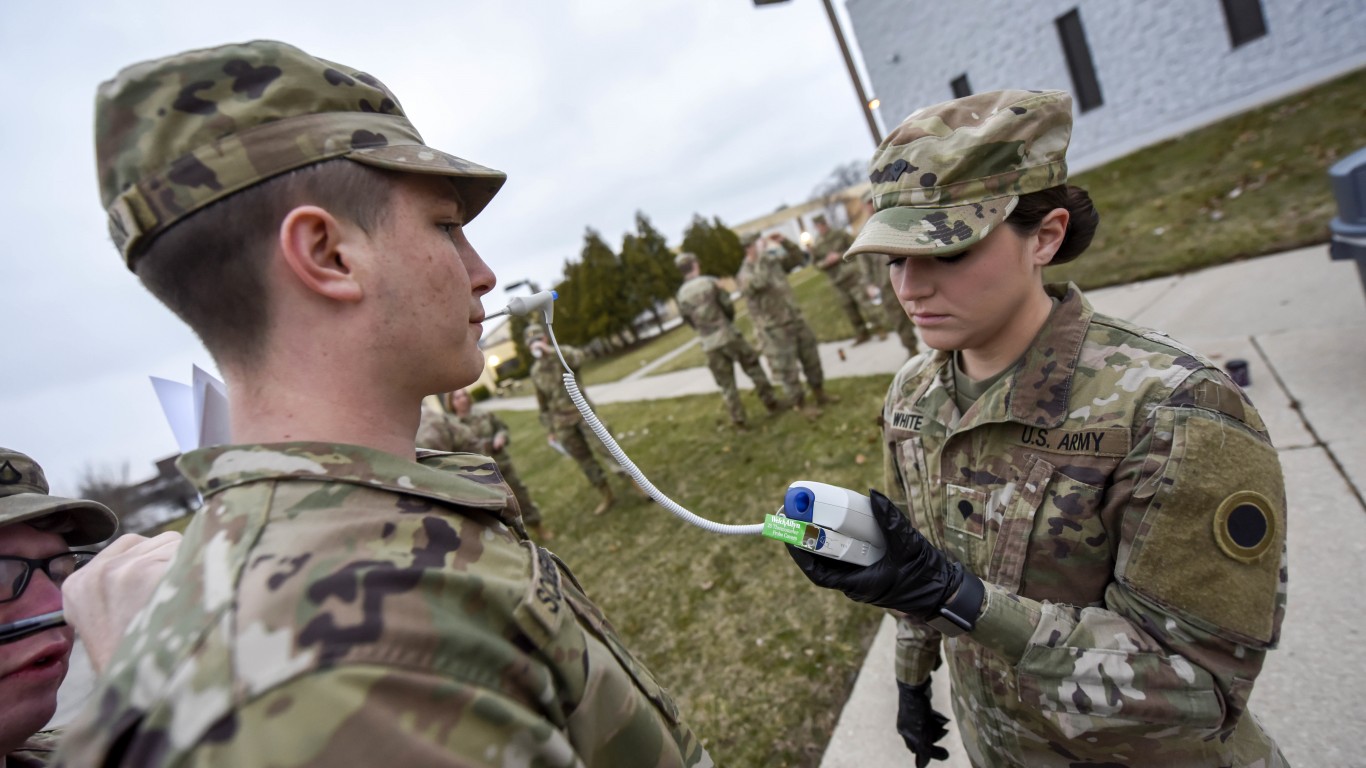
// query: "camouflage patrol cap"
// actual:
[[176, 134], [532, 332], [950, 173], [24, 498], [748, 240], [819, 220], [685, 260]]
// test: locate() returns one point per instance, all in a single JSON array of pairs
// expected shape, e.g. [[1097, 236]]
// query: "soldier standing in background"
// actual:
[[848, 279], [877, 275], [459, 428], [787, 341], [337, 600], [708, 309], [562, 420]]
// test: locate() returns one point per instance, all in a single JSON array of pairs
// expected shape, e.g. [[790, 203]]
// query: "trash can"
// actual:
[[1349, 226]]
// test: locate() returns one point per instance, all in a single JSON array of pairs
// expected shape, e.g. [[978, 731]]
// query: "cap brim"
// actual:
[[476, 183], [907, 231], [87, 522]]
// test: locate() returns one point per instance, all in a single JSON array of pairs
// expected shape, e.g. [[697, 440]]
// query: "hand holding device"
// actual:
[[914, 576]]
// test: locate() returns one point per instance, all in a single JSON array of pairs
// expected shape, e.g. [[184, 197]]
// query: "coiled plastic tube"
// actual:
[[591, 419]]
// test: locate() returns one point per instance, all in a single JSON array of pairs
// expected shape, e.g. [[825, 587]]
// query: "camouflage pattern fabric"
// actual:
[[785, 338], [36, 752], [850, 283], [176, 134], [952, 172], [25, 498], [1097, 488], [442, 431], [708, 309], [562, 420], [335, 605]]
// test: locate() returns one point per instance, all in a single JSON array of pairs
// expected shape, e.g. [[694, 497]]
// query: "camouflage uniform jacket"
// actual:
[[335, 605], [547, 376], [708, 309], [845, 274], [36, 752], [1121, 499], [763, 283], [474, 433], [442, 431]]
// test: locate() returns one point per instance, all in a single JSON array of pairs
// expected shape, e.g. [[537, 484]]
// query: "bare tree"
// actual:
[[109, 486], [841, 178]]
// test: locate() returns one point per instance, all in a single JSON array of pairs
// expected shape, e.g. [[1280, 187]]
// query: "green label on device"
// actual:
[[784, 529]]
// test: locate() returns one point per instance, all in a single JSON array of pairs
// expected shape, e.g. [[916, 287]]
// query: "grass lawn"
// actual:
[[760, 661], [1254, 184]]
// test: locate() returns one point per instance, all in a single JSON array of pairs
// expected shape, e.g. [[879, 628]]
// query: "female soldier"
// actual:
[[1103, 514]]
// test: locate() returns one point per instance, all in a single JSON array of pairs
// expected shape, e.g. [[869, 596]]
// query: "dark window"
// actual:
[[960, 86], [1245, 21], [1079, 64]]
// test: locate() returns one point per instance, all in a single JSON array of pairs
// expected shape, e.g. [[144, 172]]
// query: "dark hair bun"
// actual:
[[1081, 226]]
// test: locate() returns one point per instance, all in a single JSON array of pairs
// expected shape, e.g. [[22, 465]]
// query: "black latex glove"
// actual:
[[913, 577], [919, 725]]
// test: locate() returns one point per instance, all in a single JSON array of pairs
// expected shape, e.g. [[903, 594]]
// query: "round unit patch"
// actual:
[[1244, 526]]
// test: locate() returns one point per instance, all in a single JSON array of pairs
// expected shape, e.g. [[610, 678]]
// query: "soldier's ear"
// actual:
[[1047, 239], [322, 253]]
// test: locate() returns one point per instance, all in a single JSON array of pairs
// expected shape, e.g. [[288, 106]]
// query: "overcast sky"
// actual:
[[594, 108]]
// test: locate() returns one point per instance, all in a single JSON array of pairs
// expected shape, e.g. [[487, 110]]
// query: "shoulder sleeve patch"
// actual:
[[1244, 526], [1208, 544], [541, 610]]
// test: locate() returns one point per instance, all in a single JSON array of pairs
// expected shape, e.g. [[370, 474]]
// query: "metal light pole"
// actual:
[[848, 62], [853, 74]]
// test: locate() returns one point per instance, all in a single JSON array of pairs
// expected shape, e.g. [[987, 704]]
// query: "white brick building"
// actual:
[[1159, 67]]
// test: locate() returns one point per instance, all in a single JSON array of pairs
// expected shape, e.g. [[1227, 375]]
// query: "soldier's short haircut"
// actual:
[[210, 268]]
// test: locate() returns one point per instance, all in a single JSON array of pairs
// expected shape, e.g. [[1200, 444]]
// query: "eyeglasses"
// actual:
[[15, 571]]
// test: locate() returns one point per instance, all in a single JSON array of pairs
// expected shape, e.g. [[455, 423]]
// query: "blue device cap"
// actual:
[[799, 503], [554, 294]]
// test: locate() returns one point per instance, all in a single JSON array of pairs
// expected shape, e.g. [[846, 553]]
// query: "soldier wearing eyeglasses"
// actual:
[[37, 534]]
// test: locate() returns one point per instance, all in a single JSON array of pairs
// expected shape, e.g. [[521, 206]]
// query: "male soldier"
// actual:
[[878, 278], [787, 340], [562, 420], [458, 428], [848, 279], [707, 308], [336, 601], [37, 531]]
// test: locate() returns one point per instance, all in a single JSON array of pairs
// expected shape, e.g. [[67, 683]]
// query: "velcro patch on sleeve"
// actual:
[[540, 612], [1208, 546]]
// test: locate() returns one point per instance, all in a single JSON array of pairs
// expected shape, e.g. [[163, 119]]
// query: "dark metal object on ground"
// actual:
[[1349, 226]]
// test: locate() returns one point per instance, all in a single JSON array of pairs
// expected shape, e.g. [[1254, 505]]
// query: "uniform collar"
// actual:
[[465, 479], [1041, 384]]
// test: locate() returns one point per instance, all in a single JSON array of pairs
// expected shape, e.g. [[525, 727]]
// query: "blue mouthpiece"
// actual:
[[798, 503]]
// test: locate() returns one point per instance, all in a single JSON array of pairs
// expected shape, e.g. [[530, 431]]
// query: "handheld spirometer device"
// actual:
[[828, 520], [821, 518]]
